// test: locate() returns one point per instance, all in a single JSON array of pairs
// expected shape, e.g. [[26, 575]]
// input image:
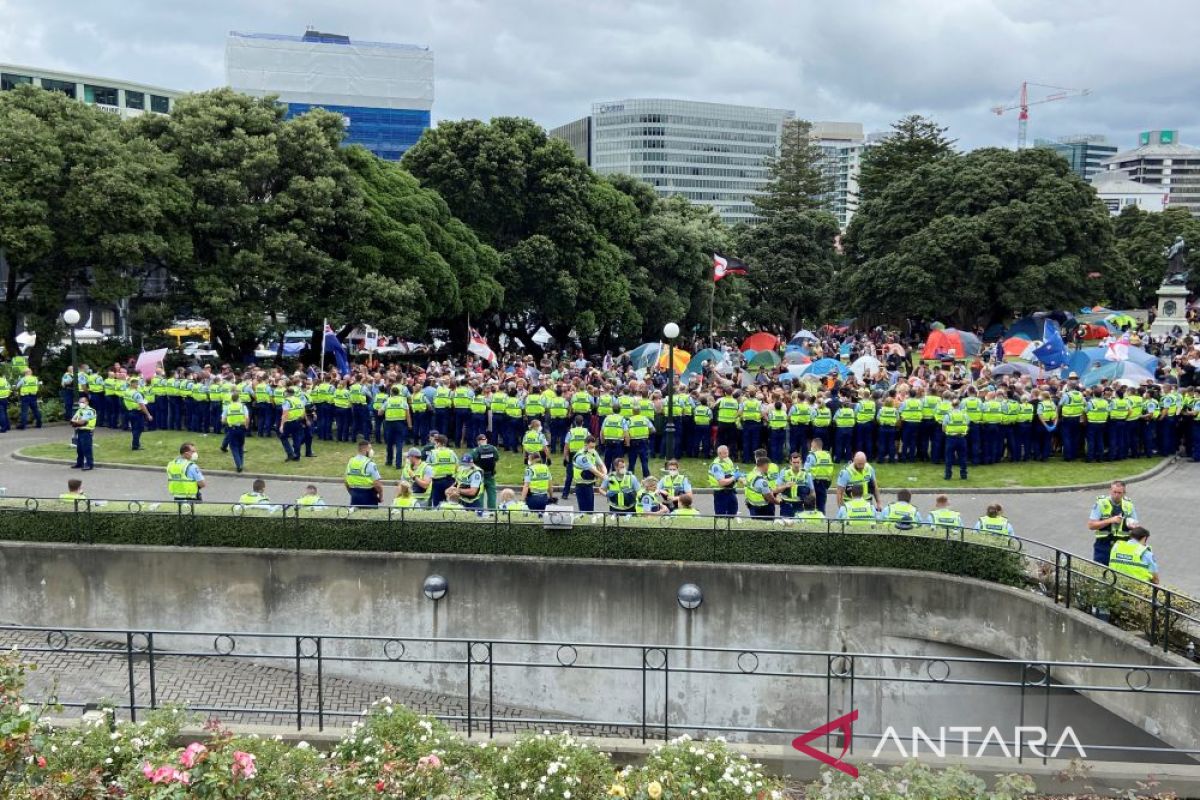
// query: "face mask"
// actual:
[[371, 453], [672, 471], [83, 405], [620, 470], [194, 456]]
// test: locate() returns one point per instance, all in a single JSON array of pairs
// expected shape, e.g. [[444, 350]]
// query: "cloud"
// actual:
[[854, 60]]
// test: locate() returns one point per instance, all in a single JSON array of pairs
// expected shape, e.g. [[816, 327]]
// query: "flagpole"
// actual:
[[712, 301], [324, 325]]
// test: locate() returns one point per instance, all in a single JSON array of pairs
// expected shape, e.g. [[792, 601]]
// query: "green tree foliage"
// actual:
[[554, 222], [1140, 239], [792, 265], [273, 216], [796, 182], [914, 142], [432, 266], [974, 238], [84, 204]]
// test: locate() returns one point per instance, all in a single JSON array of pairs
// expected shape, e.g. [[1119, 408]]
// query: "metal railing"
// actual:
[[1167, 618], [299, 678]]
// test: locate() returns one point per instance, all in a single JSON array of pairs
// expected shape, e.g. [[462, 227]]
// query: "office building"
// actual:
[[121, 98], [383, 91], [1161, 162], [843, 146], [713, 154], [1084, 152], [1117, 192]]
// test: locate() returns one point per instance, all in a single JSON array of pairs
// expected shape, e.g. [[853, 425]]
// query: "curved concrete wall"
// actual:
[[907, 618]]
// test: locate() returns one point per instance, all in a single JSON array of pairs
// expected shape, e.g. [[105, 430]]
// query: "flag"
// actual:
[[479, 346], [149, 361], [330, 344], [1053, 352], [1117, 349], [727, 265]]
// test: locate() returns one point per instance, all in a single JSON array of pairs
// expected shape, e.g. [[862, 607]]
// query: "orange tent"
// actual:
[[682, 359], [760, 341]]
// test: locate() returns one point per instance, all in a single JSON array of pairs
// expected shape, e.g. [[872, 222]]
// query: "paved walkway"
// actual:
[[1167, 504], [88, 670]]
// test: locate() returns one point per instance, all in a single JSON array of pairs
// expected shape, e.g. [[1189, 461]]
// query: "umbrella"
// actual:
[[796, 355], [682, 359], [1127, 372], [1018, 368], [760, 341], [865, 366], [149, 361], [801, 335], [767, 359]]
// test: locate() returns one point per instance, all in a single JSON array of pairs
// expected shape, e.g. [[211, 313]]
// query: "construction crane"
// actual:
[[1057, 93]]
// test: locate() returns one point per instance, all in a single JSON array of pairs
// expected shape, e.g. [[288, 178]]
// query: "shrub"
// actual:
[[918, 781], [684, 768]]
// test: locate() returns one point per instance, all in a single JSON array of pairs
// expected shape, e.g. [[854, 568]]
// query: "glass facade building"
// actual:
[[115, 97], [1085, 153], [383, 90], [1162, 162], [710, 153]]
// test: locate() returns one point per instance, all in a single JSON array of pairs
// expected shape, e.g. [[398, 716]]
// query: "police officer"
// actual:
[[792, 486], [363, 481], [257, 496], [1133, 556], [84, 423], [901, 514], [537, 490], [673, 485], [588, 467], [955, 429], [1072, 406], [723, 476], [858, 511], [136, 411], [1111, 519], [5, 394], [469, 481], [910, 428], [639, 430], [858, 473], [419, 476], [487, 457], [533, 442], [994, 522], [444, 463], [235, 417], [184, 479], [943, 516], [397, 417], [67, 390], [621, 488], [777, 428], [27, 387], [1097, 425], [614, 432], [573, 442], [819, 464]]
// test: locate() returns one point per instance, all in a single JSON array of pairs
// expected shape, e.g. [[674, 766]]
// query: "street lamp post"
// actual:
[[71, 317], [670, 333]]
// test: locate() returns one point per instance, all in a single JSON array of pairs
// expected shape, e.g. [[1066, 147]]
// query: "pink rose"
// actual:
[[192, 754], [430, 761], [243, 764], [41, 762], [147, 770]]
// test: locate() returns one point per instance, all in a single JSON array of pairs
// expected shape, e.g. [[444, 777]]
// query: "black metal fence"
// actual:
[[482, 686]]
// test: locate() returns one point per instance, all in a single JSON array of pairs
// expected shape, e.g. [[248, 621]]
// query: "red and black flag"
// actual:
[[727, 265]]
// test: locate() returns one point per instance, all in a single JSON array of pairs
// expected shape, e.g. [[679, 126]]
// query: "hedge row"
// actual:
[[703, 540]]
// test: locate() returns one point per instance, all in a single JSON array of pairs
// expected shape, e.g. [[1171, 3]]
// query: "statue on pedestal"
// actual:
[[1177, 268]]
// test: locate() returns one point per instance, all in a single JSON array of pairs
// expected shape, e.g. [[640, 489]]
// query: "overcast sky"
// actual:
[[852, 60]]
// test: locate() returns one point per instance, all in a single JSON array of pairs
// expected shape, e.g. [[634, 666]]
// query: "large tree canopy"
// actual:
[[914, 142], [977, 237], [1140, 239], [554, 222], [273, 214], [84, 204]]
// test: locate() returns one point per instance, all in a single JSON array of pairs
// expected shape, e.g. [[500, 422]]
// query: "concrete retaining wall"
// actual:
[[908, 619]]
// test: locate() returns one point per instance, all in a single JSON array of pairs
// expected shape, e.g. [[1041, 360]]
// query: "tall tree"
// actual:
[[914, 142], [792, 264], [796, 180], [1140, 239], [553, 221], [434, 267], [84, 204], [974, 238], [273, 215]]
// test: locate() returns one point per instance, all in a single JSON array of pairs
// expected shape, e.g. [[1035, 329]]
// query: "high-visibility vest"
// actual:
[[420, 404], [822, 416], [581, 403], [727, 410], [945, 518], [929, 404], [535, 405], [576, 437], [822, 468], [1097, 412], [253, 498], [179, 485], [87, 416], [341, 397], [910, 409], [993, 412], [1118, 409], [860, 513], [621, 495], [811, 514], [461, 399], [753, 496], [626, 403], [29, 385], [1026, 413], [309, 500], [856, 478], [1073, 404], [559, 408], [539, 479], [800, 414], [130, 398], [1047, 412], [441, 397], [410, 473], [235, 414], [792, 494], [6, 388], [605, 404], [1126, 558], [479, 405], [358, 394], [613, 428], [993, 524], [777, 419], [531, 442], [513, 409], [654, 504], [702, 415], [294, 411], [974, 408], [844, 417], [888, 416], [902, 515], [685, 512], [1135, 407], [751, 410], [464, 475], [639, 427], [1106, 508], [356, 473], [956, 423], [395, 409], [586, 475], [404, 502], [865, 412], [728, 469], [443, 461], [671, 485]]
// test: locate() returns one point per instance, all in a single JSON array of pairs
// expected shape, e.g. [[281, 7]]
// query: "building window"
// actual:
[[10, 81], [159, 104], [135, 100], [103, 95], [66, 87]]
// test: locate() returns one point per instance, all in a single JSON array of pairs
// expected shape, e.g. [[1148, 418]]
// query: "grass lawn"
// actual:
[[265, 456]]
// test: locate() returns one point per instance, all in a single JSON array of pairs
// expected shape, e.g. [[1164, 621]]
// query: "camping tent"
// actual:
[[951, 342], [760, 341]]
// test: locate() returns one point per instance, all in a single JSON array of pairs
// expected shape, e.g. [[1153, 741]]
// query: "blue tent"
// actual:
[[824, 366], [714, 357]]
